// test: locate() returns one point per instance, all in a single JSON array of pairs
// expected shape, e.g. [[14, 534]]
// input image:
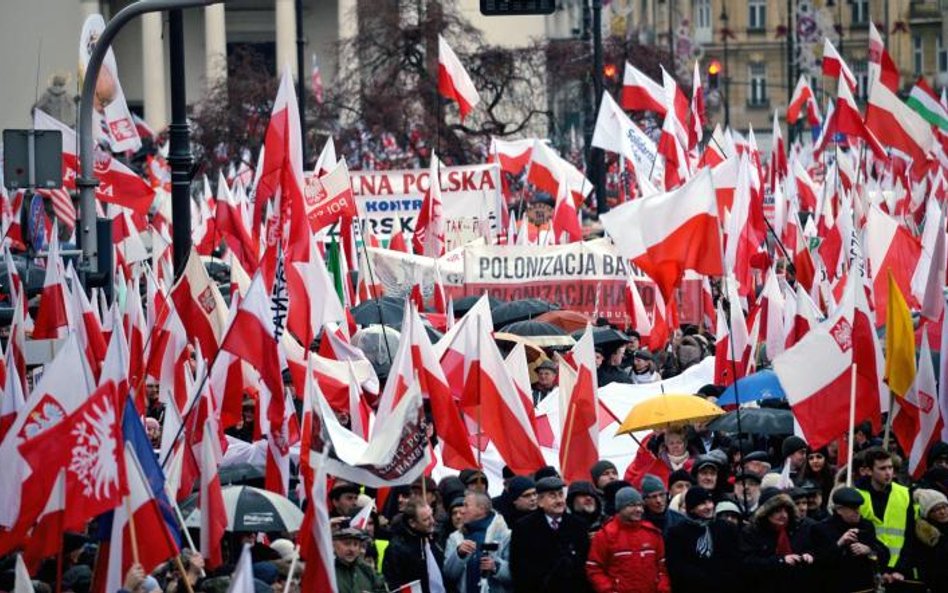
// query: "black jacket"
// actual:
[[837, 569], [691, 573], [930, 554], [547, 561], [405, 559], [766, 570]]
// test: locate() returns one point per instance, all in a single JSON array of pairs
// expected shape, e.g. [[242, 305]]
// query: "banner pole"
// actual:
[[852, 425]]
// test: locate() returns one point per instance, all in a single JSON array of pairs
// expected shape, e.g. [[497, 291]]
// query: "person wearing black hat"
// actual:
[[548, 548], [546, 380], [603, 472], [353, 575], [522, 493], [747, 492], [848, 554], [815, 509], [655, 500], [757, 462], [777, 553], [793, 452], [643, 368], [582, 500], [343, 497], [701, 552], [474, 479], [609, 496], [406, 557]]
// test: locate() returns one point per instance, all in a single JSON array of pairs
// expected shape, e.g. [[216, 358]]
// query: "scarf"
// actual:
[[676, 462], [783, 542], [475, 531], [704, 547]]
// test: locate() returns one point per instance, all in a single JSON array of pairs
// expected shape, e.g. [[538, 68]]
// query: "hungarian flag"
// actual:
[[666, 234], [924, 101], [454, 83]]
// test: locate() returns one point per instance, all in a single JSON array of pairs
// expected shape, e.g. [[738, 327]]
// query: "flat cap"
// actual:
[[551, 484]]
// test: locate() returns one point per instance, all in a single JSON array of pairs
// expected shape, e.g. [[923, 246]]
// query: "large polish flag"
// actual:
[[669, 233], [52, 318], [200, 305], [316, 533], [890, 247], [513, 155], [453, 80], [803, 98], [579, 405], [896, 125], [641, 93], [820, 397], [834, 66]]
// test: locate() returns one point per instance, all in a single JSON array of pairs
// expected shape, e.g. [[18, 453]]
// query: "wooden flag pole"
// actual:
[[131, 528], [852, 425]]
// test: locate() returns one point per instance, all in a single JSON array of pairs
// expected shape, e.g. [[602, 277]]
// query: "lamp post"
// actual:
[[596, 156], [86, 180], [725, 33]]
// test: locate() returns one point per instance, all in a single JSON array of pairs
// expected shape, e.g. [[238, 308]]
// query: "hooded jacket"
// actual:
[[593, 520], [765, 569], [627, 558]]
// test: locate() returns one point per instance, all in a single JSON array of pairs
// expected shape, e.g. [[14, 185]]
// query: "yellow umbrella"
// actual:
[[668, 410]]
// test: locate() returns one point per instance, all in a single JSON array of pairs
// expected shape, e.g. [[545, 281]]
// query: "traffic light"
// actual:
[[714, 68], [609, 71]]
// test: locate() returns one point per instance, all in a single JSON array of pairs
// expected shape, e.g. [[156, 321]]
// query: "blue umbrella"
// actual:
[[760, 385]]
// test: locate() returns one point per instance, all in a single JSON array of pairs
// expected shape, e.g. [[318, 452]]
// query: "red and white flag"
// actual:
[[513, 155], [314, 301], [846, 119], [200, 305], [835, 67], [210, 495], [316, 534], [641, 93], [898, 126], [636, 308], [52, 318], [803, 102], [453, 80], [328, 198], [579, 405], [917, 422], [696, 129], [669, 233], [890, 247], [428, 239], [881, 66], [327, 158]]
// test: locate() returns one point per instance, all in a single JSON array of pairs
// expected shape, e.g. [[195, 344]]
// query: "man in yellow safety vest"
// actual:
[[887, 504]]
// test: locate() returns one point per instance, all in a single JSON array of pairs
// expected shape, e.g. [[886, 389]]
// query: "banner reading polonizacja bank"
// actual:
[[470, 195], [586, 277]]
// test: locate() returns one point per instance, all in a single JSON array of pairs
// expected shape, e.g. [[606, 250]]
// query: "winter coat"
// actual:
[[547, 561], [455, 567], [651, 459], [627, 558], [691, 573], [764, 568], [837, 569], [405, 559], [930, 553], [358, 577]]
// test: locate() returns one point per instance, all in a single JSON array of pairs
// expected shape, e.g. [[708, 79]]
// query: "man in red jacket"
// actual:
[[628, 554]]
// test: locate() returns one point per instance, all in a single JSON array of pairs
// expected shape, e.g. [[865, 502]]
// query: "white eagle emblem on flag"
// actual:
[[842, 333], [94, 456]]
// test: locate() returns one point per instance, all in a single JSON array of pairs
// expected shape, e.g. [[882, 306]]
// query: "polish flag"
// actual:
[[917, 422], [211, 497], [741, 243], [513, 155], [641, 93], [678, 107], [898, 126], [566, 227], [933, 300], [846, 119], [500, 408], [636, 309], [778, 156], [228, 219], [724, 177], [316, 534], [673, 152], [314, 301], [800, 316], [11, 231], [545, 171], [15, 287], [168, 352], [516, 364], [807, 195], [88, 325], [771, 306], [881, 66], [200, 305], [732, 343], [579, 441], [890, 247], [52, 318], [428, 239], [803, 99], [115, 366], [696, 130], [251, 337], [328, 199], [454, 83], [835, 67], [820, 397], [327, 159], [12, 389], [135, 327], [669, 233], [44, 538]]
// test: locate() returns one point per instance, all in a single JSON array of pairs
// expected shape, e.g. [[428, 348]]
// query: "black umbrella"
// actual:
[[520, 310], [250, 509], [603, 336], [539, 332], [464, 304], [384, 311], [768, 421]]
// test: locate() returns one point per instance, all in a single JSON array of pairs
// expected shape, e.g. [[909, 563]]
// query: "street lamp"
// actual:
[[725, 33], [86, 181]]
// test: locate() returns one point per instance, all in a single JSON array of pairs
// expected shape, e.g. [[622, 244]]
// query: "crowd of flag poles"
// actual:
[[817, 288]]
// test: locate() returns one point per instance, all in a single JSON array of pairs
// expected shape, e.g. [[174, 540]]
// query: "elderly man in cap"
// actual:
[[546, 380], [702, 553], [747, 492], [845, 547], [757, 462], [628, 554], [353, 575], [548, 548]]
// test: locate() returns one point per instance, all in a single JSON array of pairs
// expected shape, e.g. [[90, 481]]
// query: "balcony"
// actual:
[[925, 12]]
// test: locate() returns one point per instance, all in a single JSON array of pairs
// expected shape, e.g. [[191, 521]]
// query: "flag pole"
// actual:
[[131, 528], [289, 577], [59, 566], [888, 423], [852, 425], [377, 298], [184, 575]]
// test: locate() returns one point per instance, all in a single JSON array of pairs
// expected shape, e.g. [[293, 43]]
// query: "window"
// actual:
[[702, 18], [757, 96], [942, 54], [918, 54], [860, 10], [757, 15], [861, 72]]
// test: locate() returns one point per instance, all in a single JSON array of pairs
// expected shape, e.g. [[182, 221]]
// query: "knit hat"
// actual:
[[680, 475], [770, 480], [726, 506], [600, 468], [938, 450], [696, 496], [284, 548], [651, 485], [768, 493], [791, 445], [927, 501], [518, 485], [627, 496]]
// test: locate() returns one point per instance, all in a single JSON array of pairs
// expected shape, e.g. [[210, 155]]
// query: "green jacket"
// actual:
[[358, 577]]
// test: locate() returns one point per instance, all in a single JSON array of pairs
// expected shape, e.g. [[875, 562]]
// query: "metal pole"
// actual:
[[86, 181], [727, 72], [790, 59], [179, 150], [596, 156], [300, 87]]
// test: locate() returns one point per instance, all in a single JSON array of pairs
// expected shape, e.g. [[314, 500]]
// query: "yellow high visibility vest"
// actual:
[[890, 530]]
